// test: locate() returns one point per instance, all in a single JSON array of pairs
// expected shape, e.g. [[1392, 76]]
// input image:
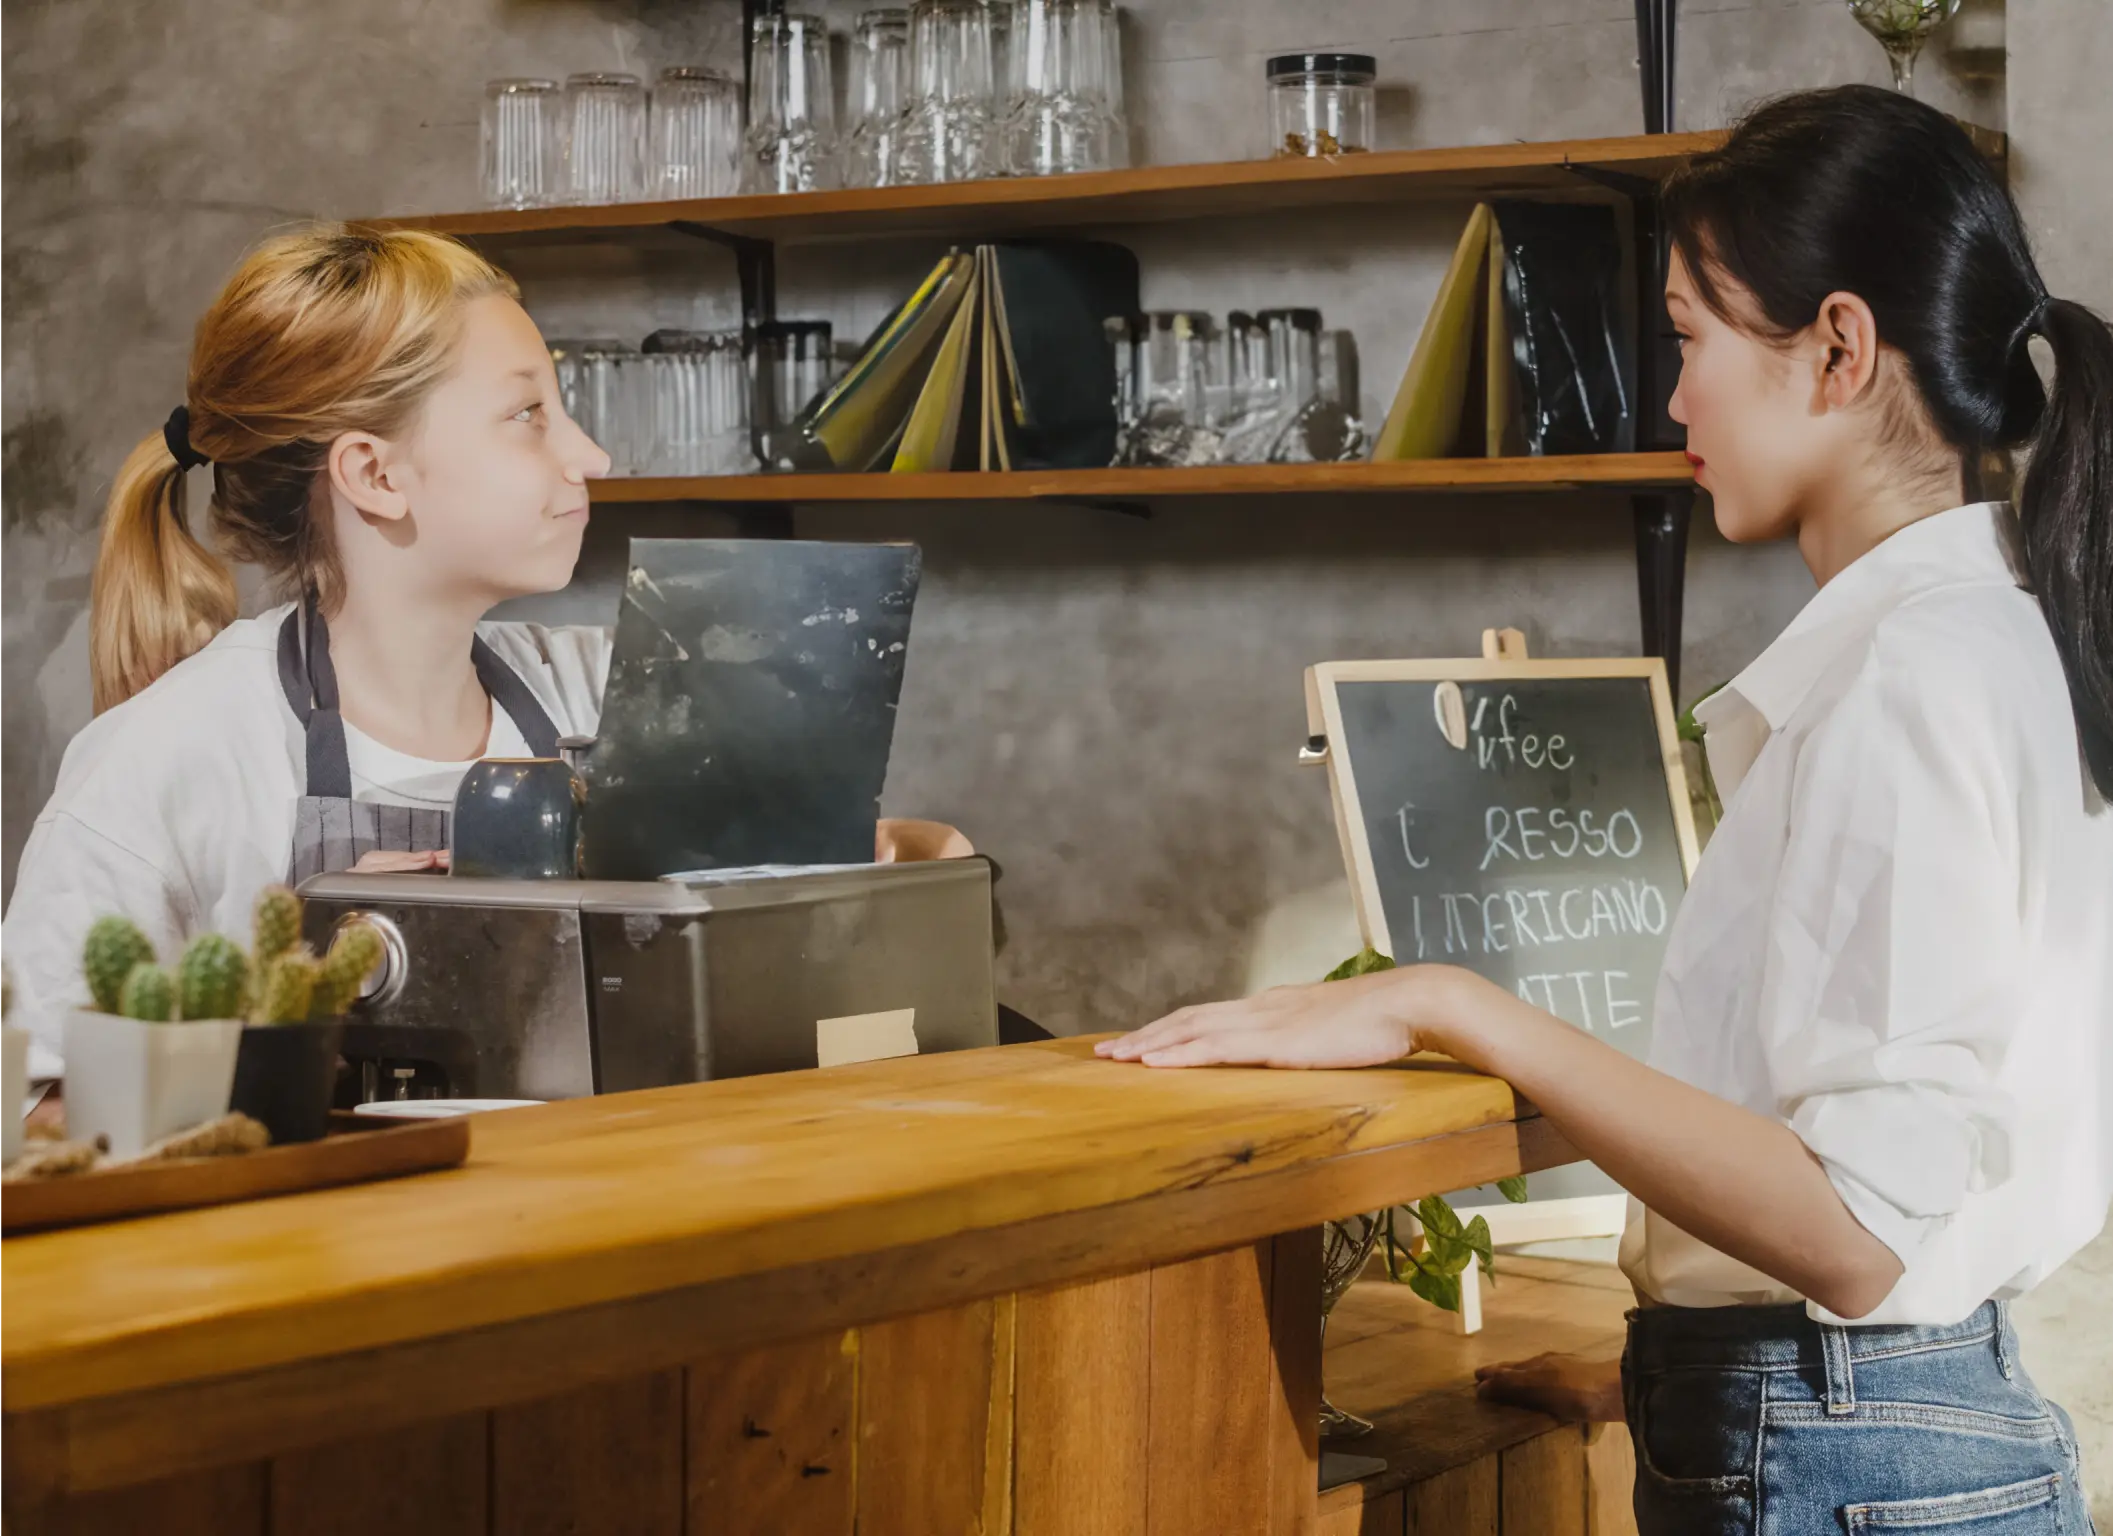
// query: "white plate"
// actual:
[[437, 1109]]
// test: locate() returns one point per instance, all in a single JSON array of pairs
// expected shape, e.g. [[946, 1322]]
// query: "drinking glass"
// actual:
[[1112, 77], [695, 129], [693, 406], [949, 132], [595, 382], [880, 77], [795, 360], [1001, 20], [1057, 120], [1900, 27], [792, 144], [522, 143], [1172, 373], [605, 150]]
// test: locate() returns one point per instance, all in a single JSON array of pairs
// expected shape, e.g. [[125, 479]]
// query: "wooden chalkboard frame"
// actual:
[[1575, 1216], [1324, 720]]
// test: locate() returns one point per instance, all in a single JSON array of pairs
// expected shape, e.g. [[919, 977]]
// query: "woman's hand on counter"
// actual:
[[1362, 1022], [1567, 1386]]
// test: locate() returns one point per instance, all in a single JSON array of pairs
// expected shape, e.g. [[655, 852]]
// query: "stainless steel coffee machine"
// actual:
[[556, 989]]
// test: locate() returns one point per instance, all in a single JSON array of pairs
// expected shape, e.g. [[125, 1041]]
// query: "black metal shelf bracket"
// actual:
[[1662, 514], [1662, 519]]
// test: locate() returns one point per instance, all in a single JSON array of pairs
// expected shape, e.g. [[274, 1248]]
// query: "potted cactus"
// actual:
[[156, 1054], [14, 1072], [295, 1018]]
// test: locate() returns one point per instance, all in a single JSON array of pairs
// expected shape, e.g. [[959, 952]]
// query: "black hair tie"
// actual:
[[176, 432]]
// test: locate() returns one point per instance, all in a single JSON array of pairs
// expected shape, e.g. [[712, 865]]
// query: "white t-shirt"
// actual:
[[1900, 940], [177, 807]]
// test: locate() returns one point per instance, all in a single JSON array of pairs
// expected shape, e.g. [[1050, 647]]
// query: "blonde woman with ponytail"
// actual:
[[385, 438]]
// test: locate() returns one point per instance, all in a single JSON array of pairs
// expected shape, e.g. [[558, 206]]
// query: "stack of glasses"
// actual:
[[599, 139], [678, 405], [1270, 387], [947, 90]]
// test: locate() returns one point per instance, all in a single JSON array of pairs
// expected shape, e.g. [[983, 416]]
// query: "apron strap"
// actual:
[[310, 685], [309, 682], [507, 691]]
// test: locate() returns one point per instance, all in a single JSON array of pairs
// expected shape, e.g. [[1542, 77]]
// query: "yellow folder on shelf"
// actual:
[[868, 410], [933, 434], [1463, 355]]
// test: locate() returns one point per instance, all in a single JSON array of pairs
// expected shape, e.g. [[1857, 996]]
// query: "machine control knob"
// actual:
[[385, 983]]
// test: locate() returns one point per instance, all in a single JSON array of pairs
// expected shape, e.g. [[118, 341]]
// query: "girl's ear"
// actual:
[[1847, 335], [363, 471]]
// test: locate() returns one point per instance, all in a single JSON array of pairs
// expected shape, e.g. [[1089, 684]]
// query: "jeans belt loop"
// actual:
[[1841, 1376], [2006, 1357]]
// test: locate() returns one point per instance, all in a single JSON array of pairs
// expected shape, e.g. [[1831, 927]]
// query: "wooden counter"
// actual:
[[1014, 1290]]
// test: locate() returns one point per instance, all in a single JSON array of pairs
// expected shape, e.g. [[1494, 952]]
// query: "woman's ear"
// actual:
[[1847, 335], [363, 471]]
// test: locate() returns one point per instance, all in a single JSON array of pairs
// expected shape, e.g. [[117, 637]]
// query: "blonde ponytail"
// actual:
[[328, 330], [158, 594]]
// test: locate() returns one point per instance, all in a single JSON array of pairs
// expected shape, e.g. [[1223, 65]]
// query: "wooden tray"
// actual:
[[181, 1183]]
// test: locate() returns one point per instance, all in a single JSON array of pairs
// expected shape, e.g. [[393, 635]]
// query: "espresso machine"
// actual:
[[730, 919], [553, 989]]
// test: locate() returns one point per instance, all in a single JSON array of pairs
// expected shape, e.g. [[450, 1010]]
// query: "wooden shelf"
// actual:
[[1612, 470], [1150, 194]]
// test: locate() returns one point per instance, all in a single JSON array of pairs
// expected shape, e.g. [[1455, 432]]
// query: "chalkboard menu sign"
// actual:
[[1527, 820]]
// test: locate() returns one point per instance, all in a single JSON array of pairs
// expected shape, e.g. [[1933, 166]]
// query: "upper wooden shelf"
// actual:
[[1522, 474], [1147, 195]]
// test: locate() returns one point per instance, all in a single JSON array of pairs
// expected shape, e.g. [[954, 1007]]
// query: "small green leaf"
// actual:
[[1513, 1189], [1441, 1291], [1363, 963], [1438, 1217], [1443, 1235], [1687, 727], [1478, 1240]]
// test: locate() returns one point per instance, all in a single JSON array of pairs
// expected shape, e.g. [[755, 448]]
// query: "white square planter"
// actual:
[[136, 1082], [14, 1087]]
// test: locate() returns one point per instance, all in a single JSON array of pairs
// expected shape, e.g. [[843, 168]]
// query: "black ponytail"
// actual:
[[1870, 192], [2066, 508]]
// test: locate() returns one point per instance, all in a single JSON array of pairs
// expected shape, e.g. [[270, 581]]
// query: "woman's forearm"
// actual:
[[1741, 1182]]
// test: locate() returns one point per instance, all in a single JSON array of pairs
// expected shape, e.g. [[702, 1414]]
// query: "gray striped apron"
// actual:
[[331, 829]]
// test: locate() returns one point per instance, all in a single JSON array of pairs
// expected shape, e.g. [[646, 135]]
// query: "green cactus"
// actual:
[[210, 978], [277, 921], [149, 993], [355, 952], [285, 986], [114, 946]]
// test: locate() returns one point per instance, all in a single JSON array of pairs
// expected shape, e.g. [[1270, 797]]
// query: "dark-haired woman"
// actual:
[[1880, 1098]]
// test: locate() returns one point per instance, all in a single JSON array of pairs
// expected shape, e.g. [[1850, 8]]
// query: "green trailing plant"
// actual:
[[285, 986], [1688, 728], [149, 994], [211, 978], [275, 923], [113, 947], [1449, 1244], [354, 953]]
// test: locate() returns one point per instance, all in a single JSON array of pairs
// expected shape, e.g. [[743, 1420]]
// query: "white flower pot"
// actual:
[[136, 1082], [14, 1087]]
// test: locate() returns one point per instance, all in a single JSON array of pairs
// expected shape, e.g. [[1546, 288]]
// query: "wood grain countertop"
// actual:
[[759, 1207]]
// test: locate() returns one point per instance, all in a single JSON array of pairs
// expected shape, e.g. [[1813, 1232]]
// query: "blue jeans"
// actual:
[[1757, 1421]]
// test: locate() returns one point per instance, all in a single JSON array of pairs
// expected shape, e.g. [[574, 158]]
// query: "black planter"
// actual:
[[284, 1074]]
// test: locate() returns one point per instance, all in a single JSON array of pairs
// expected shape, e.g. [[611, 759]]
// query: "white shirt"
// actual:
[[176, 807], [1900, 939]]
